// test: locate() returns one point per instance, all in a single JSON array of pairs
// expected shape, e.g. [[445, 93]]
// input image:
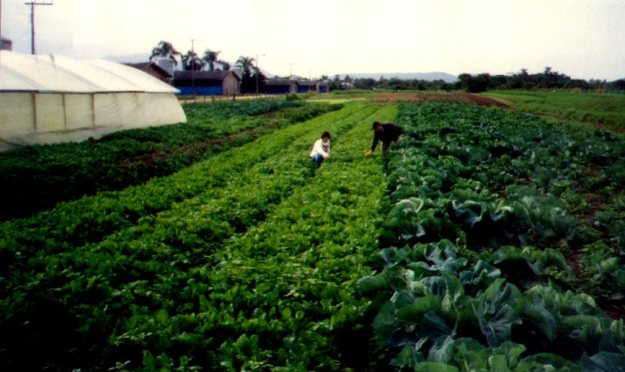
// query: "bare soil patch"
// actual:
[[459, 98]]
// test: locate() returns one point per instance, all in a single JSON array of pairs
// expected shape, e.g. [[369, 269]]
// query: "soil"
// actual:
[[459, 98]]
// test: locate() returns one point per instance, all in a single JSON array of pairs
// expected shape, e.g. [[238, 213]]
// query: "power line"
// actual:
[[32, 23]]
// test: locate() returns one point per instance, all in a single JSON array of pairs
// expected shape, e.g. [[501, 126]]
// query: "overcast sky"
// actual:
[[584, 39]]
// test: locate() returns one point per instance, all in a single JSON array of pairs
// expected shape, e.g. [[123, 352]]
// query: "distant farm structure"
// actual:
[[228, 83], [52, 98], [153, 69], [207, 83], [290, 86], [280, 86], [5, 44]]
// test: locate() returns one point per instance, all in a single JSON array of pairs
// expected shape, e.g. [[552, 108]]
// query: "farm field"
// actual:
[[488, 240], [603, 110], [38, 177]]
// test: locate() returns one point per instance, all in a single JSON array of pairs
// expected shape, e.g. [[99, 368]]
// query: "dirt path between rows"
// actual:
[[459, 98]]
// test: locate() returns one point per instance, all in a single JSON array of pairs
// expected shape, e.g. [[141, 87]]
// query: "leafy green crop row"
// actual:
[[608, 109], [227, 110], [206, 267], [256, 259], [74, 224], [487, 206], [301, 266], [38, 177]]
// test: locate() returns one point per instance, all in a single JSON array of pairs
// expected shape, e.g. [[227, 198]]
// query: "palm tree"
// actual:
[[224, 65], [210, 57], [192, 62], [165, 49], [246, 64]]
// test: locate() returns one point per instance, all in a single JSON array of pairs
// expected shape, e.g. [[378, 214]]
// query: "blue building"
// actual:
[[207, 83], [284, 86], [323, 87], [280, 86], [305, 86]]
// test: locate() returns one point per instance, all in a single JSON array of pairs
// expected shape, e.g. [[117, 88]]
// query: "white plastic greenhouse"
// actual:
[[47, 99]]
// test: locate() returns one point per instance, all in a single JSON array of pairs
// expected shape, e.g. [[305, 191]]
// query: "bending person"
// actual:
[[387, 133]]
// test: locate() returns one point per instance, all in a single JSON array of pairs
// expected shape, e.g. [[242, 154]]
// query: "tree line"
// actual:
[[393, 83], [522, 80], [547, 80]]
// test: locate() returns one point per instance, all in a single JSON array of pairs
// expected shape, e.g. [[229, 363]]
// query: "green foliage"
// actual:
[[473, 84], [225, 110], [253, 258], [587, 107], [616, 173], [499, 297], [246, 260], [36, 178], [439, 313]]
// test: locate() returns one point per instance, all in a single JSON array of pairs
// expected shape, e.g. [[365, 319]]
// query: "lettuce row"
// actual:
[[170, 274]]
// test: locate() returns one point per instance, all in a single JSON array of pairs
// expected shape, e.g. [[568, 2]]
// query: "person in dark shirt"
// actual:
[[387, 133]]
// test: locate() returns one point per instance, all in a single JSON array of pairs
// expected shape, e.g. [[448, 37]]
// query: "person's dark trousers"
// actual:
[[385, 147], [317, 159]]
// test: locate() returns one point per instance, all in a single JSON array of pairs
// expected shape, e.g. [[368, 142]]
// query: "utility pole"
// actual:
[[193, 66], [257, 70], [32, 24], [193, 44]]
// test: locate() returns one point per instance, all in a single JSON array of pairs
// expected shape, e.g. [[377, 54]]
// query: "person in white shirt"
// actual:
[[321, 149]]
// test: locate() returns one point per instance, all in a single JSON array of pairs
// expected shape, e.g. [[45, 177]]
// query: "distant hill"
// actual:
[[428, 76]]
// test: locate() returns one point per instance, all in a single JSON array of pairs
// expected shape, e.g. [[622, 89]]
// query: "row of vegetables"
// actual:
[[36, 178], [489, 208], [460, 258], [247, 260]]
